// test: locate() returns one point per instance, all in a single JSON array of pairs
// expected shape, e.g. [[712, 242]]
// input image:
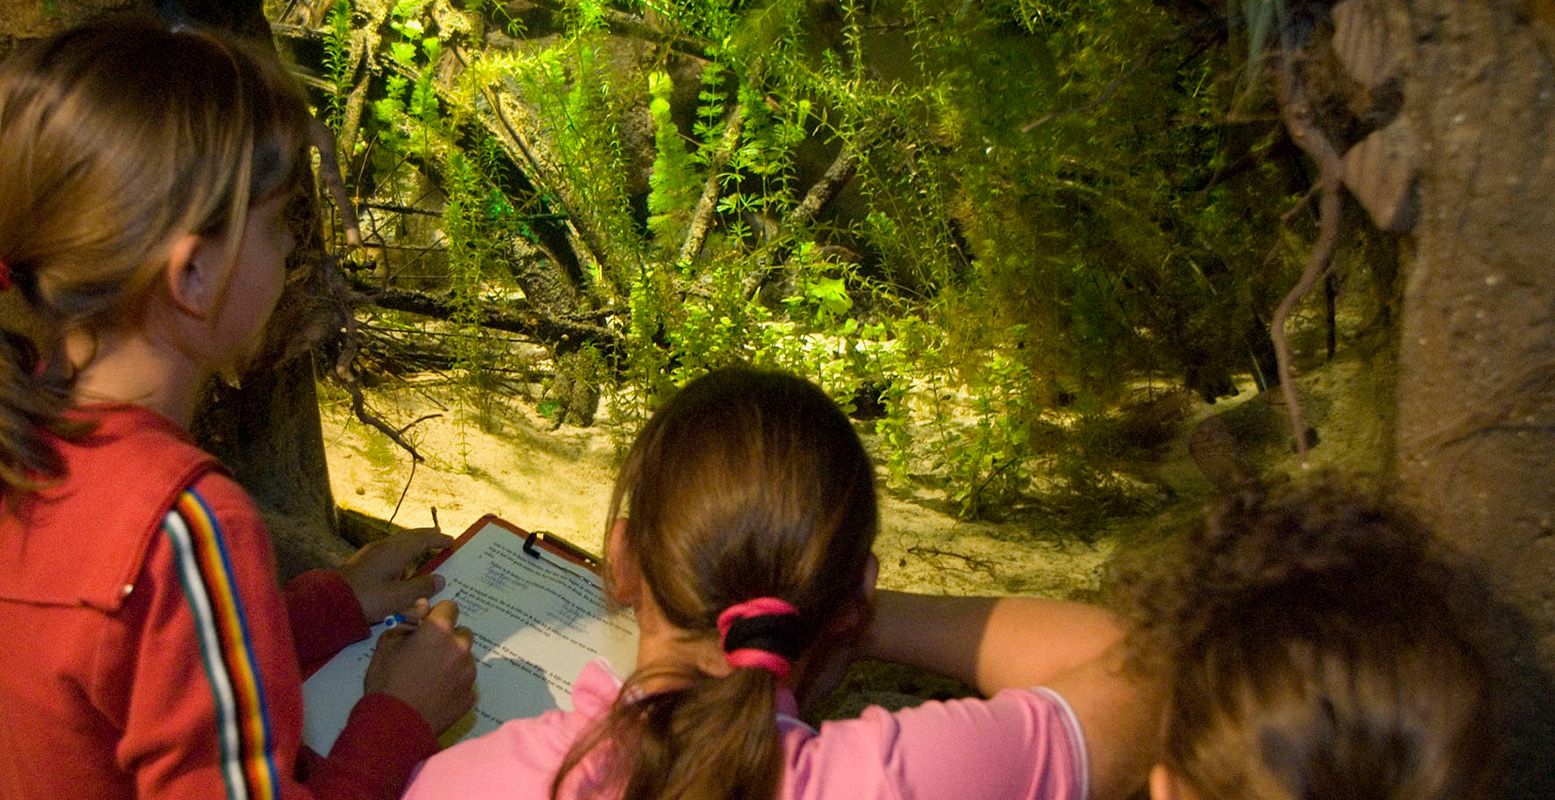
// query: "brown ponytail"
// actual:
[[746, 484], [116, 138]]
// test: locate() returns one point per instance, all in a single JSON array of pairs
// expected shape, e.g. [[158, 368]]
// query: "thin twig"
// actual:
[[388, 524], [1301, 204], [359, 408], [344, 372], [418, 420], [971, 561]]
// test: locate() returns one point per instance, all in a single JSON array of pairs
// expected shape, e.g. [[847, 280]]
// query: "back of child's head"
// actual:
[[745, 485], [115, 139], [1312, 647]]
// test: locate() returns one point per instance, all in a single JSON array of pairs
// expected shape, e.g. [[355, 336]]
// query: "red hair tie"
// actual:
[[5, 277], [774, 663]]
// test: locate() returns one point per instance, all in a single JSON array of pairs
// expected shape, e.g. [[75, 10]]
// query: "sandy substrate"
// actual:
[[559, 480]]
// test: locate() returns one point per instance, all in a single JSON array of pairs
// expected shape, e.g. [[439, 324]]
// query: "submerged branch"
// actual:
[[344, 370], [826, 189], [821, 193], [564, 332], [334, 182], [1296, 109], [702, 217], [933, 553], [514, 136]]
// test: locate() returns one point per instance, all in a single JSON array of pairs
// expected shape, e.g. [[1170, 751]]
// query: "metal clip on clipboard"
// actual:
[[561, 546]]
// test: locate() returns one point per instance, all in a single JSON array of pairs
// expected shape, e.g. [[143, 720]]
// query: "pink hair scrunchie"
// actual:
[[750, 656]]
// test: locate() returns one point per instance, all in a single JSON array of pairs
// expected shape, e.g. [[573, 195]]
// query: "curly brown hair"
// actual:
[[1312, 643]]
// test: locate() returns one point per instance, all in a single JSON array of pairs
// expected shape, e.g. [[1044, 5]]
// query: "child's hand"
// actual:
[[428, 666], [377, 572]]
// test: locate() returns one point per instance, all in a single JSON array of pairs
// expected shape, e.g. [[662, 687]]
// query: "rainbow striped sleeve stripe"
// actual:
[[243, 722]]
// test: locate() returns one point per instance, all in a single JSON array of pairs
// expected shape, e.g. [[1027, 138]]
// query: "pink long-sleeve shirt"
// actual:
[[1018, 744]]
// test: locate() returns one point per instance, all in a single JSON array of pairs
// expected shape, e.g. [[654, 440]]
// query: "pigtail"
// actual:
[[27, 410], [32, 396], [712, 739]]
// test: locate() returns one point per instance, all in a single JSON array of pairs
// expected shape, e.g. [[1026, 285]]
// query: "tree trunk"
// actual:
[[1476, 384], [269, 434]]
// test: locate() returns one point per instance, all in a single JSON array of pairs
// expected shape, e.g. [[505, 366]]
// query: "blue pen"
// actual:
[[396, 620]]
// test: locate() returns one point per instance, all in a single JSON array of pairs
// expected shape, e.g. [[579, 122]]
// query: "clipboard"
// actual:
[[536, 544], [536, 606]]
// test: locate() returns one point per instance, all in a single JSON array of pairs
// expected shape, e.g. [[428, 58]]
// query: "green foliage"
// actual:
[[337, 62], [1036, 221], [674, 184]]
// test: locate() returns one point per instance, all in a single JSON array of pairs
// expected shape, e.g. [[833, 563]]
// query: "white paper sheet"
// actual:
[[537, 622]]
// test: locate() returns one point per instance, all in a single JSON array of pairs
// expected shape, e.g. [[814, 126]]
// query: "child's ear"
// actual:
[[625, 583], [1164, 785], [855, 618], [192, 279]]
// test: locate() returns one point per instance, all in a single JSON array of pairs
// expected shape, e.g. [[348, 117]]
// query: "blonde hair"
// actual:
[[115, 138], [746, 484], [1313, 646]]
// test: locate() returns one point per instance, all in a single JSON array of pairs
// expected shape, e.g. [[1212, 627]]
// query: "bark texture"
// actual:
[[1476, 386], [269, 434]]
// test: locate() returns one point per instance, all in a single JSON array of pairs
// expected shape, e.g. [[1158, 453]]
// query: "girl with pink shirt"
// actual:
[[740, 535]]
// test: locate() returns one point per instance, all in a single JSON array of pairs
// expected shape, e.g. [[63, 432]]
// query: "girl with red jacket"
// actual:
[[144, 179]]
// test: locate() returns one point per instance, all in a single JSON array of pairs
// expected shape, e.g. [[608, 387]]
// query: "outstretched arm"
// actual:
[[996, 643], [991, 643]]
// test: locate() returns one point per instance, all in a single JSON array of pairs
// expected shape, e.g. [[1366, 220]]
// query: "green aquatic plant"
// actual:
[[960, 220]]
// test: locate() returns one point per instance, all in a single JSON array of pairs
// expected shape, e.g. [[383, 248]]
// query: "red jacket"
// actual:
[[145, 650]]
